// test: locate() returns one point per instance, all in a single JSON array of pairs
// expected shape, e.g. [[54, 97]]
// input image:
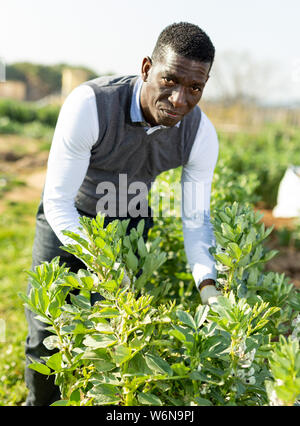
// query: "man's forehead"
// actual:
[[174, 63]]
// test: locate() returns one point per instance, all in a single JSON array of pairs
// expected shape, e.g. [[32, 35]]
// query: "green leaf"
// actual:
[[76, 328], [108, 378], [120, 354], [186, 318], [224, 259], [80, 301], [158, 365], [251, 237], [138, 365], [43, 299], [202, 401], [132, 261], [127, 243], [61, 403], [100, 243], [142, 247], [72, 280], [104, 261], [54, 308], [77, 238], [140, 227], [40, 368], [236, 251], [108, 252], [105, 394], [180, 369], [224, 217], [103, 326], [51, 342], [110, 286], [104, 366], [75, 396], [228, 232], [201, 314], [197, 375], [268, 256], [99, 341], [88, 282], [108, 313], [185, 331], [178, 334], [149, 399], [257, 254], [55, 362]]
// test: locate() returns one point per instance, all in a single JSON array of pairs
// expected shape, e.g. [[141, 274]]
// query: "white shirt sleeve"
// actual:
[[196, 182], [75, 133]]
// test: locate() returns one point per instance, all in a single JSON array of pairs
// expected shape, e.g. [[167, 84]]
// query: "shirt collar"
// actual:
[[136, 114]]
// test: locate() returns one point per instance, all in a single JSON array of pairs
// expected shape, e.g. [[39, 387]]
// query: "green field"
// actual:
[[16, 238]]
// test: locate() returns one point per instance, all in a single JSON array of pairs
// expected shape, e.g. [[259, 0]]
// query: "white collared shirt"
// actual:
[[75, 134]]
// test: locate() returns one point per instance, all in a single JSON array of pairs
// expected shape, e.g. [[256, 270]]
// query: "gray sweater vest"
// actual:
[[125, 160]]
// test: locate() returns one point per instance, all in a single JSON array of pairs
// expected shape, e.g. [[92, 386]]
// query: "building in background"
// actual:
[[72, 78], [13, 90], [41, 84]]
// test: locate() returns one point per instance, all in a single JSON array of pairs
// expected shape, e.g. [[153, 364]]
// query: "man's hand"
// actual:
[[208, 292]]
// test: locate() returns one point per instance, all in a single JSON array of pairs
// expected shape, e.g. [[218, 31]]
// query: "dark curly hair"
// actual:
[[187, 40]]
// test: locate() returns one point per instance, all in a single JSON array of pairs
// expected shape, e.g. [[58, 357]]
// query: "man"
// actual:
[[120, 131]]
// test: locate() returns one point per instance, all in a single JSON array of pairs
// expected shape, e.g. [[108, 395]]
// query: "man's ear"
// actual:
[[146, 66]]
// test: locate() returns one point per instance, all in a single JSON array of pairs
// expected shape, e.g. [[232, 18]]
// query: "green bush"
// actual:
[[27, 112], [21, 112], [48, 115], [133, 348]]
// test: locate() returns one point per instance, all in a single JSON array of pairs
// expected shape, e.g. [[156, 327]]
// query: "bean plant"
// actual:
[[134, 345]]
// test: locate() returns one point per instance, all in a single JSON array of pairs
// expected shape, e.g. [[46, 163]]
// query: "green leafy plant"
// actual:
[[129, 348], [100, 345], [284, 389], [239, 251], [241, 257]]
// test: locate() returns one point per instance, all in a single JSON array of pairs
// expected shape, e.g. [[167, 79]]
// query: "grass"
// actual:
[[16, 239], [8, 182]]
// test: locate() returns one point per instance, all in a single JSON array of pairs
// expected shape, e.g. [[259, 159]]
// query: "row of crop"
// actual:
[[34, 129], [267, 153], [26, 112]]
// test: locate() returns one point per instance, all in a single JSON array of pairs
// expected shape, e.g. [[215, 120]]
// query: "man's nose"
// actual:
[[178, 97]]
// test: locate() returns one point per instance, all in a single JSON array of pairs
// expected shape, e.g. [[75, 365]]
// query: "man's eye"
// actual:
[[196, 89], [168, 80]]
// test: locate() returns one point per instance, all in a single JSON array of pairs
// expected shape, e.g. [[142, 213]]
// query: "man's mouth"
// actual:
[[171, 114]]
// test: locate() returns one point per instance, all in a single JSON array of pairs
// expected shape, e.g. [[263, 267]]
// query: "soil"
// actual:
[[19, 158], [29, 166]]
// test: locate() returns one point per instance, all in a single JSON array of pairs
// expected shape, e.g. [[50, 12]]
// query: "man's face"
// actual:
[[172, 88]]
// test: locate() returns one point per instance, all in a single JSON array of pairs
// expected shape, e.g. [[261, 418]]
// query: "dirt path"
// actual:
[[32, 189], [20, 157]]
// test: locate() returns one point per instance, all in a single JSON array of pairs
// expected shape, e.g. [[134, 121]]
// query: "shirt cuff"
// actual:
[[203, 272]]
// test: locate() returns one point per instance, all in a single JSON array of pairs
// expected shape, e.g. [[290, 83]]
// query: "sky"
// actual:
[[254, 39]]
